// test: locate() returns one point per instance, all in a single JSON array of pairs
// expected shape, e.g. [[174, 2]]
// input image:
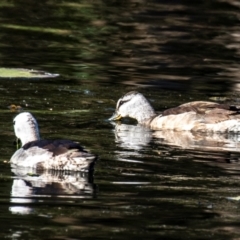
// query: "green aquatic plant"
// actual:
[[24, 73]]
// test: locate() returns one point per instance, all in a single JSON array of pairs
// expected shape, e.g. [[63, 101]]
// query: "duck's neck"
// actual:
[[143, 112], [30, 136]]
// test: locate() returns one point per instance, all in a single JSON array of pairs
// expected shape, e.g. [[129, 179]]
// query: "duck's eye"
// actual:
[[120, 103], [14, 122]]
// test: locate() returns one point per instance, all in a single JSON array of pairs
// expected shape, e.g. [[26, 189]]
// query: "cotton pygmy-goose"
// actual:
[[198, 116], [47, 154]]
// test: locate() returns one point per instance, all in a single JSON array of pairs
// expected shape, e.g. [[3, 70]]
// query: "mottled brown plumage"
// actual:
[[211, 112], [47, 154], [200, 107], [201, 116], [57, 147]]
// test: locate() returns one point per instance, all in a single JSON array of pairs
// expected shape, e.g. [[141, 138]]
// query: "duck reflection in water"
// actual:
[[31, 188], [137, 137]]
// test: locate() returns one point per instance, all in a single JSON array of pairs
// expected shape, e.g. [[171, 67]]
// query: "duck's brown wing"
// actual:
[[209, 111], [56, 147]]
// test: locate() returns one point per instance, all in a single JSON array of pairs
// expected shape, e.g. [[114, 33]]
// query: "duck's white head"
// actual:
[[26, 127], [133, 105]]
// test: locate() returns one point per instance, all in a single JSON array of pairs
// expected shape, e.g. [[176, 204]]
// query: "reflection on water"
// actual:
[[131, 136], [28, 186], [137, 137]]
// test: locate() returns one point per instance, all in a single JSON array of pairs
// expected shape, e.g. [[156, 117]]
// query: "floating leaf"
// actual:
[[15, 108], [24, 73], [218, 99]]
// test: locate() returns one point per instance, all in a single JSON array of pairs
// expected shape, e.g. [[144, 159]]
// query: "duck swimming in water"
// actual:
[[197, 116], [47, 154]]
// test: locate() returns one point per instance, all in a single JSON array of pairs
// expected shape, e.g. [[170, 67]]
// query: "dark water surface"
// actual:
[[146, 185]]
